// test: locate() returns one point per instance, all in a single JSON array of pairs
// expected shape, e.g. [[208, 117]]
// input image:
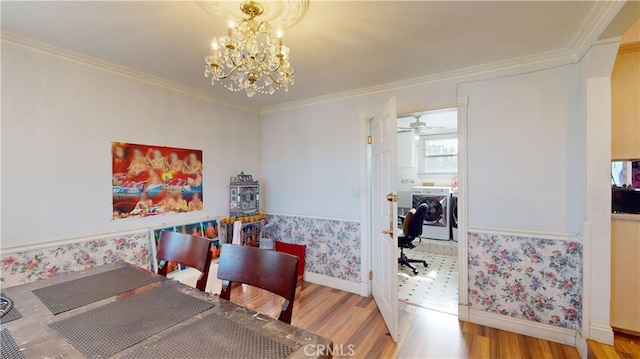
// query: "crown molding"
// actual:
[[102, 65], [608, 40], [507, 67], [599, 17]]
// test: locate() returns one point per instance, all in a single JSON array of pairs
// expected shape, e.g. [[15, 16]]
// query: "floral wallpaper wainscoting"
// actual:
[[21, 267], [527, 278], [333, 246]]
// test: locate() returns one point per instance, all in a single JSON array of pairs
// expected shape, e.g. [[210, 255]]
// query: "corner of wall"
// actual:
[[601, 332]]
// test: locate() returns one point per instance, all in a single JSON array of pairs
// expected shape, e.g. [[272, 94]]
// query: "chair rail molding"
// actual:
[[561, 236]]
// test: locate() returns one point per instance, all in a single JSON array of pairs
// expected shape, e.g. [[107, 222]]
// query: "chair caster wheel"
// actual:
[[415, 271], [426, 265]]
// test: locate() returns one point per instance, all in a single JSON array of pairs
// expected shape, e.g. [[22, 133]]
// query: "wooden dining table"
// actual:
[[160, 317]]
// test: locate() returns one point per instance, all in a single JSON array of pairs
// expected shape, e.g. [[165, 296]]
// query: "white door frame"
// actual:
[[365, 200]]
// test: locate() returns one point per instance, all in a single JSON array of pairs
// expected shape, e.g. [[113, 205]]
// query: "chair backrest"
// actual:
[[192, 251], [269, 270], [415, 225]]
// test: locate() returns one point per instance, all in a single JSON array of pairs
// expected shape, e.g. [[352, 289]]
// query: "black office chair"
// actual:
[[405, 240]]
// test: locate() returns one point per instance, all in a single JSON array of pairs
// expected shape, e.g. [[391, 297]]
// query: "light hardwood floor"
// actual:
[[624, 347], [627, 346], [351, 319]]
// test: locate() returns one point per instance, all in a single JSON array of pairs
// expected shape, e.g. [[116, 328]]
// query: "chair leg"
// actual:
[[403, 260]]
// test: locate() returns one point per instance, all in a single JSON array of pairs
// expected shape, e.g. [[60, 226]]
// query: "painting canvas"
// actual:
[[152, 180]]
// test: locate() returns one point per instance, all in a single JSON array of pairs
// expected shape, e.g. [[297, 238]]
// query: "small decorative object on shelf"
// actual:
[[244, 206], [244, 196], [251, 229]]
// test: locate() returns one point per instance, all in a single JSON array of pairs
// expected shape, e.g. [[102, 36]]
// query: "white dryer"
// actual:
[[436, 222], [454, 214]]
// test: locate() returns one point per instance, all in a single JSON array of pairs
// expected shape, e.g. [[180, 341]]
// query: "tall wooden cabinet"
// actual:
[[625, 103], [625, 273]]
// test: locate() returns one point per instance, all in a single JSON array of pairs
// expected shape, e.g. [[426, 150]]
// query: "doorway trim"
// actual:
[[461, 104]]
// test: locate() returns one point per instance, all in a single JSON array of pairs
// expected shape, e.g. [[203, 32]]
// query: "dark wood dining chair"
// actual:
[[269, 270], [185, 249]]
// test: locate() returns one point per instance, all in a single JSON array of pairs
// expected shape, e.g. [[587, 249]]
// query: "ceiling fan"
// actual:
[[417, 127]]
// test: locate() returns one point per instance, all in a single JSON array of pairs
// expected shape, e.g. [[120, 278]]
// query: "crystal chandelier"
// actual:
[[249, 58]]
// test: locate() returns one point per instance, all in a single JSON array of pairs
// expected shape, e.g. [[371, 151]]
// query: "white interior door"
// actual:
[[384, 252]]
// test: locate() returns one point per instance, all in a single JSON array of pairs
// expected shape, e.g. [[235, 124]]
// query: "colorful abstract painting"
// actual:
[[152, 180]]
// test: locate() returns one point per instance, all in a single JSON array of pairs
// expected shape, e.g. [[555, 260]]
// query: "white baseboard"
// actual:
[[601, 333], [463, 312], [582, 346], [341, 284], [524, 327]]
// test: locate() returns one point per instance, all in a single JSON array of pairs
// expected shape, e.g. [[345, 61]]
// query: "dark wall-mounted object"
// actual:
[[625, 200]]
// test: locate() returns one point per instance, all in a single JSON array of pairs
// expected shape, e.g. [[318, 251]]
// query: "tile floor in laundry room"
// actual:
[[436, 286]]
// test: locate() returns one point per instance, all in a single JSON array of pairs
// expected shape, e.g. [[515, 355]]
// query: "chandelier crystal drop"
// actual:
[[249, 58]]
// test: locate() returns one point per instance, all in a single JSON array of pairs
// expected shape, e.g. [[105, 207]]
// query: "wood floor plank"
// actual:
[[333, 314], [477, 346], [364, 301], [356, 327], [627, 345], [538, 348], [601, 351]]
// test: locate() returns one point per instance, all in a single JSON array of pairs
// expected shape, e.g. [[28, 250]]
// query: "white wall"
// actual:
[[312, 161], [526, 151], [311, 155], [597, 77], [525, 137], [58, 119]]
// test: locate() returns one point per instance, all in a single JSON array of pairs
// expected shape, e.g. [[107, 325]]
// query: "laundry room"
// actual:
[[427, 208]]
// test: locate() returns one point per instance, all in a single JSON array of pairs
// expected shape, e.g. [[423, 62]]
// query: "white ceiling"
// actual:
[[338, 45]]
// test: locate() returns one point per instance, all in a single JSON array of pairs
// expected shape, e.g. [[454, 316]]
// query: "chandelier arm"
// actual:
[[264, 66], [235, 65], [275, 81], [231, 71], [268, 70]]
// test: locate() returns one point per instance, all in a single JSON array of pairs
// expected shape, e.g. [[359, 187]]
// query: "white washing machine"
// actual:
[[436, 222], [454, 214]]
